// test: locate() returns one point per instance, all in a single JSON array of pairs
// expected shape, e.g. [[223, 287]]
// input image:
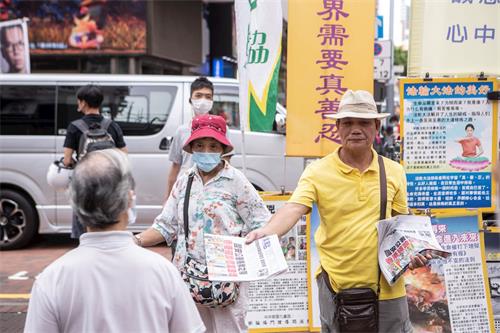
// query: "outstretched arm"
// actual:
[[284, 219]]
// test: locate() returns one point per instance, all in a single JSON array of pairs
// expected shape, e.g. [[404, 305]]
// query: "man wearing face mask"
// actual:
[[89, 100], [108, 283], [201, 100]]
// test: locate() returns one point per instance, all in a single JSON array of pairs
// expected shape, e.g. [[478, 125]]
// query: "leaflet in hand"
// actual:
[[401, 237], [230, 259]]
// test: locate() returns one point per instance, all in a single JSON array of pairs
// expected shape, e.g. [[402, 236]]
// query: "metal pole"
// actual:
[[390, 82]]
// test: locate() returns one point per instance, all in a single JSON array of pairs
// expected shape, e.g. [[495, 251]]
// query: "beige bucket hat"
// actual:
[[357, 104]]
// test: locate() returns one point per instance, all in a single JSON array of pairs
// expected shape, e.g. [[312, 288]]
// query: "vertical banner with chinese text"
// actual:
[[259, 29], [448, 127], [280, 303], [330, 50], [450, 295]]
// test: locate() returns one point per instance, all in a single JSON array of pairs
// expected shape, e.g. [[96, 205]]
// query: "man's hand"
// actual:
[[420, 260], [255, 234]]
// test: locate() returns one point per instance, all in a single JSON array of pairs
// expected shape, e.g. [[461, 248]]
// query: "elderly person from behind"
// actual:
[[108, 283], [217, 199]]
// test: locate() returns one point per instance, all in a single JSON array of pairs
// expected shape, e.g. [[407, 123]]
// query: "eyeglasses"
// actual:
[[19, 46]]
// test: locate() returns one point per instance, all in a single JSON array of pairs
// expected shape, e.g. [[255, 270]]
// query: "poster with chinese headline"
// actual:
[[492, 255], [330, 50], [450, 295], [448, 142], [280, 304]]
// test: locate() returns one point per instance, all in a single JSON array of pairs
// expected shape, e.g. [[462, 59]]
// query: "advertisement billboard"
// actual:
[[83, 26]]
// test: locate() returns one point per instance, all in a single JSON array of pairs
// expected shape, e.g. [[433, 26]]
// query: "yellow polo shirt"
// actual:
[[349, 206]]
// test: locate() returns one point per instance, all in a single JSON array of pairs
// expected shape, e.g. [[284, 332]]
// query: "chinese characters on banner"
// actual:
[[448, 143], [450, 295], [330, 50], [281, 302], [451, 37], [259, 26]]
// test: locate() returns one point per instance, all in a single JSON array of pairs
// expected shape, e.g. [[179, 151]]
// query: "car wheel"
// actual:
[[18, 220]]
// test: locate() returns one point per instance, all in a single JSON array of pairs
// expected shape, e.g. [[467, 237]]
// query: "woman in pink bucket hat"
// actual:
[[221, 201]]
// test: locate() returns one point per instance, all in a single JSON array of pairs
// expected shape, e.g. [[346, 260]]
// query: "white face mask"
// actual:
[[132, 211], [201, 106]]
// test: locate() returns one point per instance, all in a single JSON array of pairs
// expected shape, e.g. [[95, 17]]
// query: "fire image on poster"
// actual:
[[448, 143], [83, 26], [281, 302], [449, 295]]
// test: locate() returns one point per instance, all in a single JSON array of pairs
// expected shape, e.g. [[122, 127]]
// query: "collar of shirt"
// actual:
[[106, 239], [348, 169]]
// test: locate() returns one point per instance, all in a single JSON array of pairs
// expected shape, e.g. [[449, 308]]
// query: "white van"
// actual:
[[35, 111]]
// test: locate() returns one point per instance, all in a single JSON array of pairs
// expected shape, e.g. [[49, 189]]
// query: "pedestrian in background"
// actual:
[[89, 100]]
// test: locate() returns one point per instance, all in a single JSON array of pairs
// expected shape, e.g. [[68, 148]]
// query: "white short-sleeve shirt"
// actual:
[[109, 284]]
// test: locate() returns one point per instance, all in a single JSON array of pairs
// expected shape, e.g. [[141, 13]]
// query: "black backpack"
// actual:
[[94, 137]]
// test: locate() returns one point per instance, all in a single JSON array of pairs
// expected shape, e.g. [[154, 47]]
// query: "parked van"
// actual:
[[35, 111]]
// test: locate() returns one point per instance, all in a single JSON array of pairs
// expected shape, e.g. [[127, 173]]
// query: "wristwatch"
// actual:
[[138, 239]]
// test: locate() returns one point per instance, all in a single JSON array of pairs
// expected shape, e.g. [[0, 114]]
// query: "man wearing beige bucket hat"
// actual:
[[346, 187]]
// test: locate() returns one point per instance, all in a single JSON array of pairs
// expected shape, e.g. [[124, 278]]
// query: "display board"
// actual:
[[280, 304], [451, 295], [449, 128]]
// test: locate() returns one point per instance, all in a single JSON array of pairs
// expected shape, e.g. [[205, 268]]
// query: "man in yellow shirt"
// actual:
[[345, 186]]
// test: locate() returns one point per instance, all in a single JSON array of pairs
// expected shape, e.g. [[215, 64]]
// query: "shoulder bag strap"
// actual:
[[81, 125], [186, 207], [383, 203], [105, 122]]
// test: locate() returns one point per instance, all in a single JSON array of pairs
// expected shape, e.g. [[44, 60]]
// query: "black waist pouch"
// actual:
[[357, 310]]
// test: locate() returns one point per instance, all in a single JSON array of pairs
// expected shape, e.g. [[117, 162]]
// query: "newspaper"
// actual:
[[230, 259], [401, 237]]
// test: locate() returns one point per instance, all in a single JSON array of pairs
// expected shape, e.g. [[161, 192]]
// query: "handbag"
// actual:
[[195, 274], [356, 309]]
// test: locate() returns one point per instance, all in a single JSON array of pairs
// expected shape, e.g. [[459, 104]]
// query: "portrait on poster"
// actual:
[[14, 46]]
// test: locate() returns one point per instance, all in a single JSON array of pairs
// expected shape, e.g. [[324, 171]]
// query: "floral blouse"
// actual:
[[226, 205]]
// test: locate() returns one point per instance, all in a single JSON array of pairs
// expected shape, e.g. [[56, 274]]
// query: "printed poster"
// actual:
[[448, 142], [14, 47], [450, 295], [82, 26], [281, 303], [492, 254]]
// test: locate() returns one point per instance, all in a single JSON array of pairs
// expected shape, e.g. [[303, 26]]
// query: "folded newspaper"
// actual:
[[401, 237], [230, 259]]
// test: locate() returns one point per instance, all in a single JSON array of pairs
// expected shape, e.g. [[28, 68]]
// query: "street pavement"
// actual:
[[19, 268]]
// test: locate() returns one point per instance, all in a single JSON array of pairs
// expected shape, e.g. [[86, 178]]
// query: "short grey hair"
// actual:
[[99, 189]]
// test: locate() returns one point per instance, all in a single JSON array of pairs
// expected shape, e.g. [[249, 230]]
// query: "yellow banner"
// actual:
[[330, 50]]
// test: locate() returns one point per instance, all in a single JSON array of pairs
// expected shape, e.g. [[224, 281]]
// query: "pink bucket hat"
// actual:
[[208, 126]]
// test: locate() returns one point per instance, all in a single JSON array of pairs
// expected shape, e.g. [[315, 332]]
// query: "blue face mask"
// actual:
[[206, 161]]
